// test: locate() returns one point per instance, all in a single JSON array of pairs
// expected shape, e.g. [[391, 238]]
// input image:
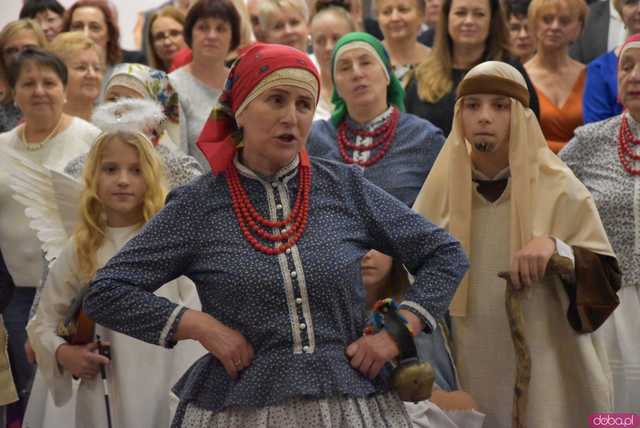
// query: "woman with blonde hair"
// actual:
[[285, 22], [400, 22], [14, 38], [164, 37], [123, 187], [83, 58], [327, 26], [468, 33], [558, 79]]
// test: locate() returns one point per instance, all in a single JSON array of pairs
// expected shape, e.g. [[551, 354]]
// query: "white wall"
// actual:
[[127, 14]]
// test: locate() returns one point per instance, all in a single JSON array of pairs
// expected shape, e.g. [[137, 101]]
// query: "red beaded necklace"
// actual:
[[382, 137], [626, 140], [250, 220]]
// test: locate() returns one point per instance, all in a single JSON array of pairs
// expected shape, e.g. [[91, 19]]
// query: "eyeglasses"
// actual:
[[161, 36], [13, 51]]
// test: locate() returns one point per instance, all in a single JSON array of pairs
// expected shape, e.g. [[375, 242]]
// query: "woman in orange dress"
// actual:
[[558, 79]]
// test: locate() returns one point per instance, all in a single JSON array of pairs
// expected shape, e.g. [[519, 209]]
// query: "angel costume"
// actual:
[[56, 400], [140, 375], [494, 217]]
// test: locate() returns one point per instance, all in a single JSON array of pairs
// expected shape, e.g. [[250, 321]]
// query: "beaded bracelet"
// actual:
[[380, 309], [386, 316]]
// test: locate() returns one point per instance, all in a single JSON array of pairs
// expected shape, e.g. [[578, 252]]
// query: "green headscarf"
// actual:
[[395, 93]]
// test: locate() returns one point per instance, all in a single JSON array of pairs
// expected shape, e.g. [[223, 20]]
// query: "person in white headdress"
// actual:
[[515, 206]]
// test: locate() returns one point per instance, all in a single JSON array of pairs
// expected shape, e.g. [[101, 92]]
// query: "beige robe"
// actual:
[[569, 376]]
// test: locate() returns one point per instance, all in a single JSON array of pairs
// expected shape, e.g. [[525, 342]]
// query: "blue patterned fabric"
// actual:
[[403, 169], [300, 309], [600, 99], [432, 349]]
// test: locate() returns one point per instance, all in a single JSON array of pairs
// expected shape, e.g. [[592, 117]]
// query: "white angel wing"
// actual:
[[51, 199]]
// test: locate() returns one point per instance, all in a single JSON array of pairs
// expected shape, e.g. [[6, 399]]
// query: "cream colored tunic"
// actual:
[[569, 379]]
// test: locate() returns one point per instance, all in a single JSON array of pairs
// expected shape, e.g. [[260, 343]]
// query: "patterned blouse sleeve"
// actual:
[[121, 296], [430, 254], [571, 154]]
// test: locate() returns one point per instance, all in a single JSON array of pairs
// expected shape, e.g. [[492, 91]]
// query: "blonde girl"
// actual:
[[123, 188]]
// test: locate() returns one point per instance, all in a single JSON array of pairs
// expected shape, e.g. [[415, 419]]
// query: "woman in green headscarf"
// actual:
[[369, 127]]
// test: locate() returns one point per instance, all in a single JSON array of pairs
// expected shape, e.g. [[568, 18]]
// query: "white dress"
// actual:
[[140, 375]]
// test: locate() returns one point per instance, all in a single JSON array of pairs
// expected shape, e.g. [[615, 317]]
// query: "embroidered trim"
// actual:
[[426, 316], [169, 325], [284, 267], [302, 284]]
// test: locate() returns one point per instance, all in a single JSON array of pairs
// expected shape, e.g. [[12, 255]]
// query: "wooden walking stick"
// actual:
[[557, 265]]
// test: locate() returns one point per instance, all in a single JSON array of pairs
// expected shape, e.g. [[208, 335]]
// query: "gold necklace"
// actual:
[[37, 146]]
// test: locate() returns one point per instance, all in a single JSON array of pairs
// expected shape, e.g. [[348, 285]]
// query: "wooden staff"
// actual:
[[557, 265]]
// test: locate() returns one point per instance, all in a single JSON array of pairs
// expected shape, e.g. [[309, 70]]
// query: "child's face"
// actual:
[[376, 268], [121, 186]]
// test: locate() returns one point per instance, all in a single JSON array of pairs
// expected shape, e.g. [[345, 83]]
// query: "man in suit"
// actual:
[[603, 18]]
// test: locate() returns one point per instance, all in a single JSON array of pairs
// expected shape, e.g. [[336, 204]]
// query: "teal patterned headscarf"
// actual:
[[395, 93]]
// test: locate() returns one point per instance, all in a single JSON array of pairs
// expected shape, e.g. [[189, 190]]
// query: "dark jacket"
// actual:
[[595, 35]]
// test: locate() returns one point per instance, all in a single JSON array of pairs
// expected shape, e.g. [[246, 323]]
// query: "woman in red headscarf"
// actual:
[[273, 239]]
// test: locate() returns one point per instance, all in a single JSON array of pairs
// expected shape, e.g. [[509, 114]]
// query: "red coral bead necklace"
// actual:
[[251, 222], [626, 140], [382, 136]]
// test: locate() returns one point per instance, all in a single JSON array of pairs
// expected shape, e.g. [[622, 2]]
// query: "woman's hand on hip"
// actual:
[[370, 353], [226, 344]]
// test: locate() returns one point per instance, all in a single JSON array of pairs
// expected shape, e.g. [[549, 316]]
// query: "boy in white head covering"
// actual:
[[513, 204]]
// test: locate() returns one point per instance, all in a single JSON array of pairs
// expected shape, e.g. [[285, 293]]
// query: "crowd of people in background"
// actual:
[[257, 176]]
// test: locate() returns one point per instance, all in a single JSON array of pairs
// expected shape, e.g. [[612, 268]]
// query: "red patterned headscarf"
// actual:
[[259, 67], [631, 42]]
